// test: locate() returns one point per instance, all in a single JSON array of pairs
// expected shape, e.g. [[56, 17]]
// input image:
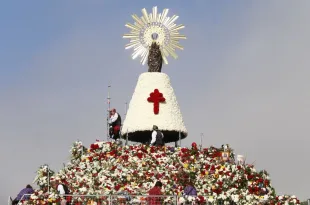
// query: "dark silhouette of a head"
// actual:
[[158, 184]]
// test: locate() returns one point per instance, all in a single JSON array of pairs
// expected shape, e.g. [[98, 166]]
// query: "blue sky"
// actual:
[[242, 79]]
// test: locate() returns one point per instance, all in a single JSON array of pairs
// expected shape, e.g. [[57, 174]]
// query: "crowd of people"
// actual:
[[155, 197]]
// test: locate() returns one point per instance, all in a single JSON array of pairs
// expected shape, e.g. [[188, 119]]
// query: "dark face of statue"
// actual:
[[155, 59]]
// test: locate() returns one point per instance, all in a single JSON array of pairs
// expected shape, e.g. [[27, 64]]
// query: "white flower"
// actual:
[[83, 189], [235, 198], [249, 197], [191, 198], [181, 200], [210, 199]]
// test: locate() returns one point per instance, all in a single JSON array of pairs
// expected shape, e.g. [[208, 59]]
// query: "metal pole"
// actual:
[[82, 151], [127, 138], [48, 179], [201, 136], [126, 108], [108, 111], [110, 200], [123, 121]]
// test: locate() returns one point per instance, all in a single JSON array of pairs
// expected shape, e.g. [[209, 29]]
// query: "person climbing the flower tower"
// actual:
[[156, 190], [24, 194], [63, 189], [190, 190], [115, 123], [157, 137]]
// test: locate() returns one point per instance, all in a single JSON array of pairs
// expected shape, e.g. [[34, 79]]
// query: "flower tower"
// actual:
[[107, 173], [154, 37]]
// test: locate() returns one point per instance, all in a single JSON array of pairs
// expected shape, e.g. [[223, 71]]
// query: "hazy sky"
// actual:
[[242, 79]]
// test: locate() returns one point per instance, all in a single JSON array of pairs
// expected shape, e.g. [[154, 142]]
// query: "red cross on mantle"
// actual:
[[156, 97]]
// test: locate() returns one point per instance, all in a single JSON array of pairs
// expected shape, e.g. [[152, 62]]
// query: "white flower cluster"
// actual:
[[43, 175], [288, 200], [77, 151]]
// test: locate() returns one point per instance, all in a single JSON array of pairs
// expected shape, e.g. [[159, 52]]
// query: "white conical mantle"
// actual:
[[140, 116]]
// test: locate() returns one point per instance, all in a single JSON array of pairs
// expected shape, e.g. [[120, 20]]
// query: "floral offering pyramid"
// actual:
[[107, 168]]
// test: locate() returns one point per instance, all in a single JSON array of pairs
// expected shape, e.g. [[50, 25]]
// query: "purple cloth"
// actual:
[[24, 191], [190, 190]]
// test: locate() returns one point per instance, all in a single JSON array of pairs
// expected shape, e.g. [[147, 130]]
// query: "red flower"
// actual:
[[139, 155], [201, 199], [184, 150], [117, 187], [125, 157]]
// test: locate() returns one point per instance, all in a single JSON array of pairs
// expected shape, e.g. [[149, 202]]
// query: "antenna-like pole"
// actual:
[[127, 138], [108, 111], [126, 108], [48, 179], [201, 136]]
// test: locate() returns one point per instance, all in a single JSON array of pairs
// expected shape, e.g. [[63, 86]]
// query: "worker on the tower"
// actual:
[[115, 123], [157, 137]]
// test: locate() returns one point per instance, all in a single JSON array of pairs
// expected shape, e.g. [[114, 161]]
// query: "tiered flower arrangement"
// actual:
[[76, 151], [107, 168], [41, 179]]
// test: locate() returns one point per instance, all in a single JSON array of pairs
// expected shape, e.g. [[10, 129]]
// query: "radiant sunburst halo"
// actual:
[[154, 27]]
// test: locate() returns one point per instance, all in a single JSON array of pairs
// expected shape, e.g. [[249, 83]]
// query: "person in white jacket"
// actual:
[[115, 123], [62, 190]]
